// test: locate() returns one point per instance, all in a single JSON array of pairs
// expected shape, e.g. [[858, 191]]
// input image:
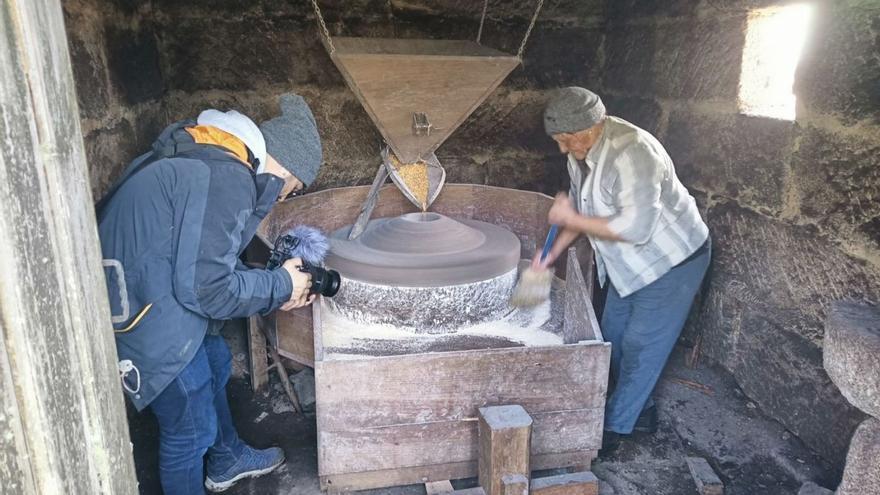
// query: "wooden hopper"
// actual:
[[419, 91]]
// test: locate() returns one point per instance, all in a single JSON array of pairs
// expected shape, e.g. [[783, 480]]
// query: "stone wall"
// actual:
[[143, 63], [115, 58], [792, 206]]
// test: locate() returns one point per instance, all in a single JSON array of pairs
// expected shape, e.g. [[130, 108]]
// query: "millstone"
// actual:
[[851, 350], [424, 271]]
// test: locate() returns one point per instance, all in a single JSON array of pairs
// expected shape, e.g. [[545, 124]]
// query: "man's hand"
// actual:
[[538, 265], [302, 283], [562, 212]]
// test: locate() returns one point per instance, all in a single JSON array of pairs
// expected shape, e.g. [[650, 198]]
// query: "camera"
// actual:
[[325, 282]]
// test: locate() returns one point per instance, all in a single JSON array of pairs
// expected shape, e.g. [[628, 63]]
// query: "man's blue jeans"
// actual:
[[194, 418], [643, 328]]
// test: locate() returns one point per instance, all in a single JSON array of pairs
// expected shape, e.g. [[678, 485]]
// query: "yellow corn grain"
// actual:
[[415, 176]]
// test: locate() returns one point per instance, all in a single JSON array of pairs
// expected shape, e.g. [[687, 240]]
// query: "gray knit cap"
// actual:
[[571, 110], [292, 138]]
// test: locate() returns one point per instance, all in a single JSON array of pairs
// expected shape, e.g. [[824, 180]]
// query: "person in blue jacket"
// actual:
[[175, 225]]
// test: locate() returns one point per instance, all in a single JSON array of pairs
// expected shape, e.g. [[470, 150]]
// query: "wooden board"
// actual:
[[580, 321], [392, 78], [583, 483], [296, 342], [258, 360], [458, 470], [403, 411], [62, 412]]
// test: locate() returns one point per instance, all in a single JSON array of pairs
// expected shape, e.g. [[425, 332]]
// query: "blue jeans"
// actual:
[[643, 328], [194, 418]]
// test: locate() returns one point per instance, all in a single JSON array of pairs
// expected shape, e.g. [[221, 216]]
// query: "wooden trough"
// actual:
[[395, 420]]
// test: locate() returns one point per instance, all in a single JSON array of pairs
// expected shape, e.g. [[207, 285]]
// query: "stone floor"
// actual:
[[702, 412]]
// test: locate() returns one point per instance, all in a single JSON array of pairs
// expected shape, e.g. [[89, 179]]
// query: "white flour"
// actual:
[[538, 326]]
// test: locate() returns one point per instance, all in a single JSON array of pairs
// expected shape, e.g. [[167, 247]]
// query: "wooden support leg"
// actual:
[[505, 440], [257, 357], [583, 483], [285, 380]]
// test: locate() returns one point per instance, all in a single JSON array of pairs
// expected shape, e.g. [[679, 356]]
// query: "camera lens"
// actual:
[[325, 282]]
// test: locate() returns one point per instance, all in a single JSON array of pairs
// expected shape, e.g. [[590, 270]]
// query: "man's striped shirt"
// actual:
[[629, 179]]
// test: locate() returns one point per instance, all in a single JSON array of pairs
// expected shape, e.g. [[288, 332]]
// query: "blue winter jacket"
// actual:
[[178, 226]]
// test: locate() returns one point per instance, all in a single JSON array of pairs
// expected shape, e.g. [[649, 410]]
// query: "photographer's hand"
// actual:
[[302, 282]]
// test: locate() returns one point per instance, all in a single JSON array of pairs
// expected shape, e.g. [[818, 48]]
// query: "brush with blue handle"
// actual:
[[533, 287]]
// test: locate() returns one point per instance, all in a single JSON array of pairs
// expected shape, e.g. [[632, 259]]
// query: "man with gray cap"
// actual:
[[651, 247], [175, 226]]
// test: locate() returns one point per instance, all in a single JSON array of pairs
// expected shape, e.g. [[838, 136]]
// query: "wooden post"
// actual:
[[258, 359], [505, 441], [61, 408]]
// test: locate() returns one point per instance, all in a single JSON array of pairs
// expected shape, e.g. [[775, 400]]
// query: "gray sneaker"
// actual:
[[251, 464]]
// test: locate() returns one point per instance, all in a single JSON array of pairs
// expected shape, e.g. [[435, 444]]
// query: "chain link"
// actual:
[[324, 29], [482, 21], [522, 47]]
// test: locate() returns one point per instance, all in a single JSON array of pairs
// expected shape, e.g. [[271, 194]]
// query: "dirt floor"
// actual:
[[702, 414]]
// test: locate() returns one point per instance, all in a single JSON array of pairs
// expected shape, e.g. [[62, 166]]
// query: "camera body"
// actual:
[[325, 282]]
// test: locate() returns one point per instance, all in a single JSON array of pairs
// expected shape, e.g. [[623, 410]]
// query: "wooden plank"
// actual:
[[448, 386], [409, 445], [420, 474], [395, 477], [434, 487], [583, 483], [705, 479], [580, 321], [505, 439], [424, 47], [297, 341], [62, 413], [258, 360], [514, 484]]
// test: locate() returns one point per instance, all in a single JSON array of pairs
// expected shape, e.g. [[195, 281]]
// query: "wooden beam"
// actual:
[[583, 483], [61, 408], [258, 360], [705, 479], [505, 442]]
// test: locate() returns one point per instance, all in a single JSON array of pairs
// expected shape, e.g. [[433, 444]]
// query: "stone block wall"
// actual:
[[143, 63], [120, 89], [793, 207]]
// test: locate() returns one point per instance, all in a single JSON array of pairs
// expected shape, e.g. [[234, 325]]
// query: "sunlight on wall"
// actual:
[[774, 40]]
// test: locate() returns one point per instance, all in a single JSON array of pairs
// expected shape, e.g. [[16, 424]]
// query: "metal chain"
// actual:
[[324, 29], [482, 21], [522, 47]]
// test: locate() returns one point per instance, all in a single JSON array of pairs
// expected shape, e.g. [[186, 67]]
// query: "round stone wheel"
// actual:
[[852, 353], [424, 271]]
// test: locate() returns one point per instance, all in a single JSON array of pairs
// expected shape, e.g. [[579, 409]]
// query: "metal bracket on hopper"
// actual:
[[421, 125]]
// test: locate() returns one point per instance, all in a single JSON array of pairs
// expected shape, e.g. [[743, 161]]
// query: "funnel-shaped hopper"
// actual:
[[397, 79]]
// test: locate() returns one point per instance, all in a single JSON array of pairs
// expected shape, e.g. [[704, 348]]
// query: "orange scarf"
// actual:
[[206, 134]]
